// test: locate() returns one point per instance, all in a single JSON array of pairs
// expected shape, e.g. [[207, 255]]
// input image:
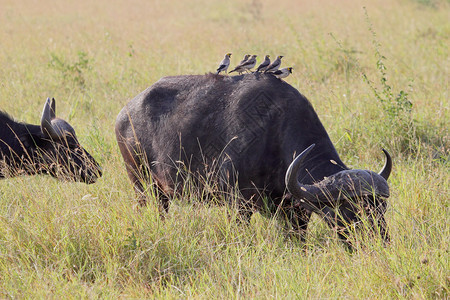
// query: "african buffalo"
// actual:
[[51, 148], [250, 128]]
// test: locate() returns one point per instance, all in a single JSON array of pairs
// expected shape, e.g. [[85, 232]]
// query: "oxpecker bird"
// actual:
[[250, 63], [283, 73], [247, 65], [264, 64], [244, 59], [275, 65], [223, 67]]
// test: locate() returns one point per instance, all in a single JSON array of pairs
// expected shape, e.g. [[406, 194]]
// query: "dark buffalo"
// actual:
[[51, 148], [250, 128]]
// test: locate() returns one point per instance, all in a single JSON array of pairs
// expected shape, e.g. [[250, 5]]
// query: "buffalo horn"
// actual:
[[386, 171], [298, 190], [48, 114], [351, 183]]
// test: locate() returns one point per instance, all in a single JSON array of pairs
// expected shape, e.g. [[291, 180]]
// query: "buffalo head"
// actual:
[[51, 148], [344, 197]]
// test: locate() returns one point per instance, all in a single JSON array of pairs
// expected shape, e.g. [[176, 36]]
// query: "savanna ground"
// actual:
[[360, 68]]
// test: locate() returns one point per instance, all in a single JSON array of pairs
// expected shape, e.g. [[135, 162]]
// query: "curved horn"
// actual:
[[386, 171], [346, 183], [294, 187], [53, 109], [48, 114]]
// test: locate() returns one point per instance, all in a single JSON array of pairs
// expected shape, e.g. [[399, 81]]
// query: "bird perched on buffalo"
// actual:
[[282, 73], [263, 66], [246, 66], [246, 56], [275, 65], [223, 66]]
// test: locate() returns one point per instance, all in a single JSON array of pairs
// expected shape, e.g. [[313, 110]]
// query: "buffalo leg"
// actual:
[[139, 174]]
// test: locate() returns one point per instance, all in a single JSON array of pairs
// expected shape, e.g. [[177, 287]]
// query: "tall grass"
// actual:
[[59, 238]]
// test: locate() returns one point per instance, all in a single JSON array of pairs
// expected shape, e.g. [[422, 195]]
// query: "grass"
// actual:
[[59, 239]]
